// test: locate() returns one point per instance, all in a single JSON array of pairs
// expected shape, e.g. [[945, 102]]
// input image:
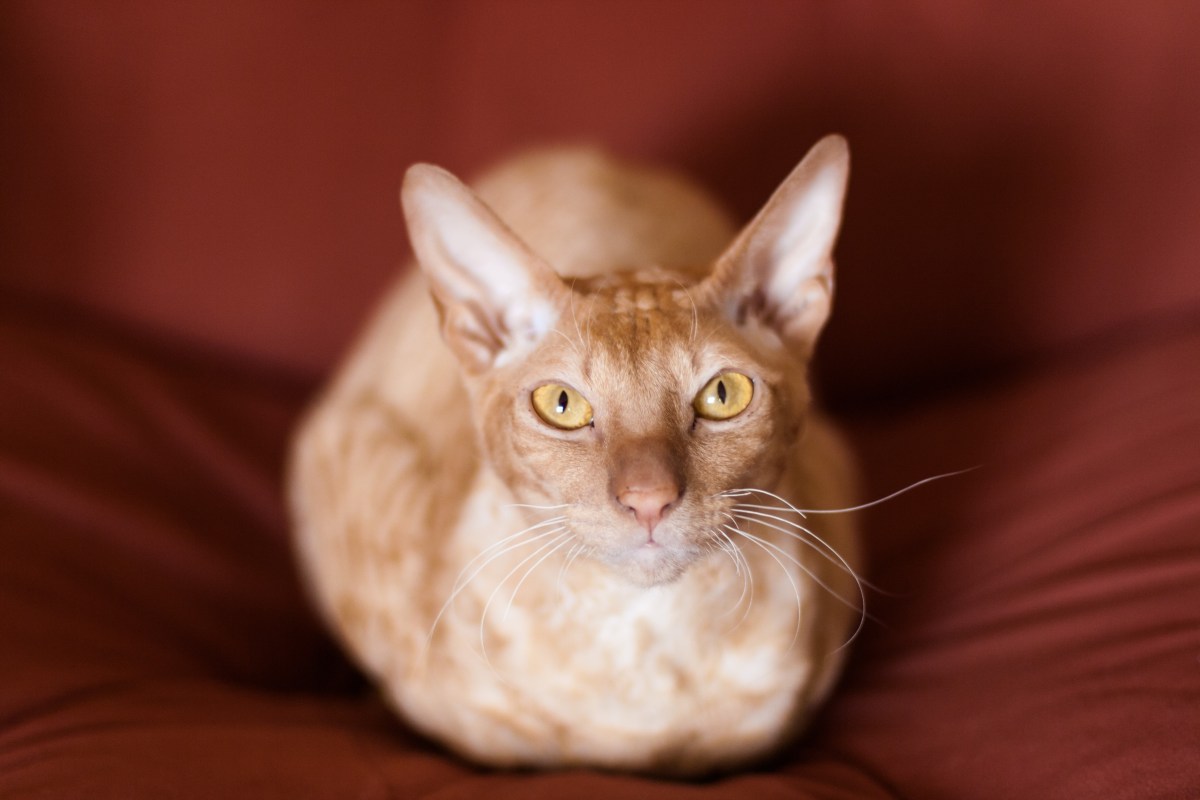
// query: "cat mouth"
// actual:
[[653, 563]]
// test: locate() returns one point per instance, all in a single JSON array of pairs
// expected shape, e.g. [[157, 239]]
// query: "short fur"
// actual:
[[611, 596]]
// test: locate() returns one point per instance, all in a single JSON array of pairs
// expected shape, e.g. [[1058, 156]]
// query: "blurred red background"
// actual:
[[228, 171], [198, 207]]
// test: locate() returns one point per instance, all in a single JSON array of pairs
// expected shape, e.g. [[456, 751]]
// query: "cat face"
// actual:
[[635, 401], [664, 406]]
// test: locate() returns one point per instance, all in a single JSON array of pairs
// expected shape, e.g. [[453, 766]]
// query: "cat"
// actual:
[[566, 531]]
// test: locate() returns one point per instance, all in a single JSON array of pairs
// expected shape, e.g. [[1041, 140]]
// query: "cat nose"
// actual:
[[649, 504], [646, 479]]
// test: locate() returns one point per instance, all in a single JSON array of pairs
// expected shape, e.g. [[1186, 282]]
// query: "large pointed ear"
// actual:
[[779, 270], [494, 296]]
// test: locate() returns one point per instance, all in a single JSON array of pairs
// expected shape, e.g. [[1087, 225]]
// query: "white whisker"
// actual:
[[562, 541], [762, 544], [562, 533], [841, 562], [585, 336], [569, 341], [557, 520], [862, 612], [583, 343], [768, 508], [860, 608], [742, 567], [460, 584], [892, 496], [700, 345], [748, 513], [748, 492], [810, 540], [572, 554], [695, 311], [724, 548]]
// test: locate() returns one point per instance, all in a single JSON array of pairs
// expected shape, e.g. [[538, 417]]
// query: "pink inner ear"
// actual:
[[780, 268], [474, 344], [752, 304], [492, 291]]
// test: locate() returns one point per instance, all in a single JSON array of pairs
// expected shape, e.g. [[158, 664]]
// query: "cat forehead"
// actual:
[[652, 334], [645, 325], [633, 323], [635, 292]]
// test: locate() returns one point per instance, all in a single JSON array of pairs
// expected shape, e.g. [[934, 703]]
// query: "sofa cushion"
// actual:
[[1038, 636]]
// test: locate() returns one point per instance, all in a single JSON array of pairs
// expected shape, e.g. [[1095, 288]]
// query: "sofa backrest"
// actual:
[[228, 172]]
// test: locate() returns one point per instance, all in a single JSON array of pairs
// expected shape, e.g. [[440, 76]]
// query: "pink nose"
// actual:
[[649, 505]]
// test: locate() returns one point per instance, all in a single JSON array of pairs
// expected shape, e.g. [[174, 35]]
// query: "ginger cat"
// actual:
[[555, 513]]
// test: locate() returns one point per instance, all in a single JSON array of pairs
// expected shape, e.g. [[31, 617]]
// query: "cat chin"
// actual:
[[650, 565]]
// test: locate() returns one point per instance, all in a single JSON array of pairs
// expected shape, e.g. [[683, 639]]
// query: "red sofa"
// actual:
[[200, 208]]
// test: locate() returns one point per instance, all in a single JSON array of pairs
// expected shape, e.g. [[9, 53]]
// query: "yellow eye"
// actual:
[[724, 397], [561, 406]]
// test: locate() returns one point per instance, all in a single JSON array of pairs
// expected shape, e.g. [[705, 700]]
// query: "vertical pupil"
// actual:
[[562, 402], [721, 395]]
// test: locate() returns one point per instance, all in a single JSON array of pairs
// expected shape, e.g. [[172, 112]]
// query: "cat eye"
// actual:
[[561, 406], [724, 397]]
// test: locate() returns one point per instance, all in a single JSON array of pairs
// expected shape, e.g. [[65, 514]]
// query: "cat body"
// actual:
[[516, 508]]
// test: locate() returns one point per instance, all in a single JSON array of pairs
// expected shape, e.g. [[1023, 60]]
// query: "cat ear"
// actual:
[[779, 269], [494, 296]]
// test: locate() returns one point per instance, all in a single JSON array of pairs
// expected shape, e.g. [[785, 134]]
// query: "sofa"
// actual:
[[200, 210]]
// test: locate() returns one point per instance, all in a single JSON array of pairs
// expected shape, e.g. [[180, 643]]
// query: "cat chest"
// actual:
[[629, 660], [540, 645]]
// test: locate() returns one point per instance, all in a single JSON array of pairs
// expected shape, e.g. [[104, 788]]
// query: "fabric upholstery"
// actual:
[[200, 208]]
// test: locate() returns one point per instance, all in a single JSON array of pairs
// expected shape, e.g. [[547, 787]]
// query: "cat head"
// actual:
[[635, 401]]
